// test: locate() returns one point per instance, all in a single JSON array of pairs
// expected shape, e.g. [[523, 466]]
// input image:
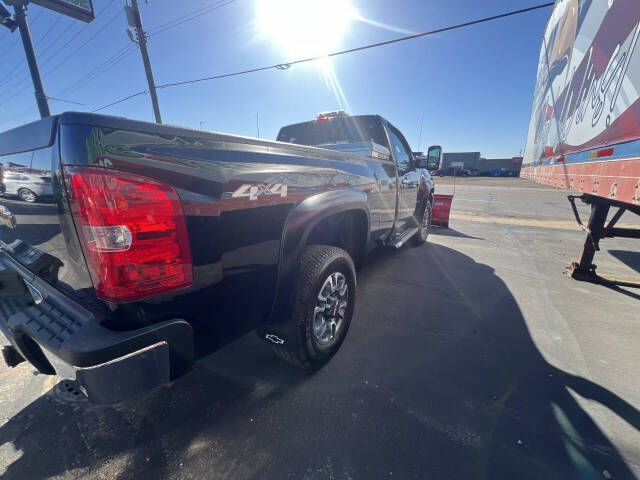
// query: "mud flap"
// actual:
[[286, 335]]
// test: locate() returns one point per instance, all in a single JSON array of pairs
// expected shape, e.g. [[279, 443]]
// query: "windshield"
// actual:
[[335, 131]]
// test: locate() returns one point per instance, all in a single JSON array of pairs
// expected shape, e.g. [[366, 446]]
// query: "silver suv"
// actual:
[[28, 186]]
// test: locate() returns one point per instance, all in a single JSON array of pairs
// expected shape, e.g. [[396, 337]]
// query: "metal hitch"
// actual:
[[597, 228]]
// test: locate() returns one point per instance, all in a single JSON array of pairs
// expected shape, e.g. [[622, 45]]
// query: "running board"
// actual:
[[405, 236]]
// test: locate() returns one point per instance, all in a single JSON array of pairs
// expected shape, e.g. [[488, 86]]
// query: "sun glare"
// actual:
[[305, 28]]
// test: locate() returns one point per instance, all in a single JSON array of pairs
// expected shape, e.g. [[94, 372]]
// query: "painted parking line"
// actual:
[[522, 221]]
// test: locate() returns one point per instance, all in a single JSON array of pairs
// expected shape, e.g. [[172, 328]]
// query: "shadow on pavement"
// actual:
[[629, 258], [620, 289], [438, 378], [449, 232]]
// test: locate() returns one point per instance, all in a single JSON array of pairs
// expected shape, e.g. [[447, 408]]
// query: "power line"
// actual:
[[22, 79], [15, 94], [8, 75], [286, 65], [17, 36], [52, 44], [20, 114], [121, 100], [77, 34], [127, 50], [36, 17], [48, 31], [121, 54], [63, 100], [188, 17], [109, 22], [170, 22], [20, 62], [108, 64], [101, 67], [15, 40], [87, 78]]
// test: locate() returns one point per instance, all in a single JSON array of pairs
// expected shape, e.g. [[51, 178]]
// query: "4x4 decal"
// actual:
[[255, 190]]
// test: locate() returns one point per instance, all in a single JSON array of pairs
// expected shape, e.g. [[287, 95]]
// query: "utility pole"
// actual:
[[135, 21], [41, 98]]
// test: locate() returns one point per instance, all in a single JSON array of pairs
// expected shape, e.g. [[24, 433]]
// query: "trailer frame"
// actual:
[[597, 229]]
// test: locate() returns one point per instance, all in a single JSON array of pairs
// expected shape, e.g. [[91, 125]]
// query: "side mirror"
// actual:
[[434, 157]]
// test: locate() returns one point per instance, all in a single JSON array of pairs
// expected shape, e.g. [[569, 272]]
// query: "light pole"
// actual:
[[20, 22], [135, 21]]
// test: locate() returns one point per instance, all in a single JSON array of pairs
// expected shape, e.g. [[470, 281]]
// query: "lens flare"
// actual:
[[305, 28], [384, 26], [332, 83]]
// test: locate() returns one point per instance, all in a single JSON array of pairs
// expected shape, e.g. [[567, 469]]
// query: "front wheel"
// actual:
[[425, 222], [27, 195], [324, 305]]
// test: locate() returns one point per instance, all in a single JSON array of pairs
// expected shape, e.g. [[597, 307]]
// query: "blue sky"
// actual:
[[474, 85]]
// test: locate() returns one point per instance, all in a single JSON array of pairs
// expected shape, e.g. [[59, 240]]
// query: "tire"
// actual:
[[425, 223], [319, 264], [27, 195]]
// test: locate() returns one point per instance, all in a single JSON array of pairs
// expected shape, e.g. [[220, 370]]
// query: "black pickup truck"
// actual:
[[158, 237]]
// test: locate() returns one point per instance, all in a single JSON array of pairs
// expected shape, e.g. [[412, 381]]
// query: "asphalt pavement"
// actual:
[[510, 200], [473, 356]]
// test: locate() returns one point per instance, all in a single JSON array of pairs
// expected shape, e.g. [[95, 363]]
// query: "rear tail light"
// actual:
[[133, 233]]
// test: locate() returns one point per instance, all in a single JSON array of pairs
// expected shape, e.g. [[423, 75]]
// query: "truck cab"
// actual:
[[403, 181]]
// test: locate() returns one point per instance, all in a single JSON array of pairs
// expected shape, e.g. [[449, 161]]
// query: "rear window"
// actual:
[[19, 165], [335, 131]]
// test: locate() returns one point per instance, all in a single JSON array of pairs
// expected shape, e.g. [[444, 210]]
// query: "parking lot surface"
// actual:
[[514, 201], [471, 357]]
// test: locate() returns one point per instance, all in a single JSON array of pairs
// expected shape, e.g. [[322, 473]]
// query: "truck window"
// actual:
[[401, 152], [335, 131], [37, 162]]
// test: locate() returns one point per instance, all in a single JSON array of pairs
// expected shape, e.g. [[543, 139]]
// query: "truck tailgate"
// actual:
[[35, 227]]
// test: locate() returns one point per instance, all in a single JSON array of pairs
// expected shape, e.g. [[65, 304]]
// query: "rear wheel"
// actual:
[[324, 305], [27, 195], [425, 222]]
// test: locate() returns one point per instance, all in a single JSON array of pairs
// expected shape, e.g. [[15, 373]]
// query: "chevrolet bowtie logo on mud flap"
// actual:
[[274, 338], [255, 190]]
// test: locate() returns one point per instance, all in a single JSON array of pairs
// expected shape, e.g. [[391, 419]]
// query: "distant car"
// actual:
[[413, 183], [450, 171], [29, 187]]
